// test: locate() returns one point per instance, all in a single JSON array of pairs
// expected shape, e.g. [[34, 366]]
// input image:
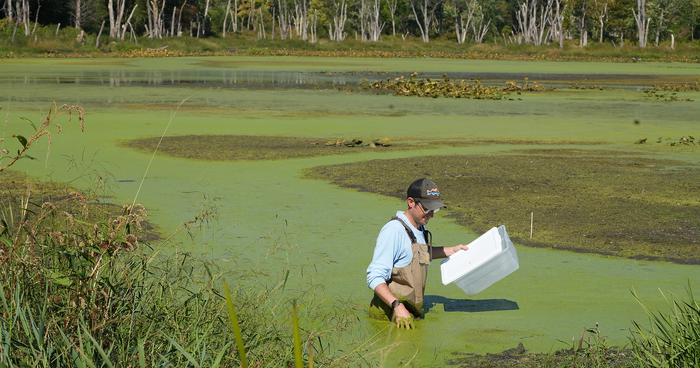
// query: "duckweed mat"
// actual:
[[622, 205], [247, 147]]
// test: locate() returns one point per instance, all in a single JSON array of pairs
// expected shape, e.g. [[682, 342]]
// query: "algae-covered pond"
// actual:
[[269, 217]]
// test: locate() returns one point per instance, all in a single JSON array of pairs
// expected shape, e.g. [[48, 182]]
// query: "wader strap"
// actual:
[[426, 234], [408, 229]]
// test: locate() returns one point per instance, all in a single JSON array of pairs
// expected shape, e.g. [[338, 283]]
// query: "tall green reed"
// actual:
[[672, 338]]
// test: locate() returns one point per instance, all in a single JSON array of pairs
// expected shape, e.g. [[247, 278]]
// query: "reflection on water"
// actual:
[[189, 78], [301, 80]]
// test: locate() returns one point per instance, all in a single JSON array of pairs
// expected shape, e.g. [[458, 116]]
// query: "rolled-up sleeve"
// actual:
[[387, 254]]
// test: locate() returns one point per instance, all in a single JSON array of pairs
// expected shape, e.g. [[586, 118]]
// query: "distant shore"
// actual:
[[64, 45]]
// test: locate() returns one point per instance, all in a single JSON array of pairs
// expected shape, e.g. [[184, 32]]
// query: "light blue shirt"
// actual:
[[393, 249]]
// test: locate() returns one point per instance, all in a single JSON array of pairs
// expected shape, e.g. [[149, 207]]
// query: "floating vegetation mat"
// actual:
[[622, 205], [446, 87], [246, 147]]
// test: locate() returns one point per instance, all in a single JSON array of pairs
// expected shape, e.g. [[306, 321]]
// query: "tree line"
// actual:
[[536, 22]]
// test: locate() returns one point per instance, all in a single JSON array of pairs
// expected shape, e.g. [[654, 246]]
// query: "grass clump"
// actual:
[[620, 205], [244, 147], [672, 338]]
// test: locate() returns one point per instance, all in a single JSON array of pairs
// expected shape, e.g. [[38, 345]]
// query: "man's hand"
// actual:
[[403, 318], [452, 250]]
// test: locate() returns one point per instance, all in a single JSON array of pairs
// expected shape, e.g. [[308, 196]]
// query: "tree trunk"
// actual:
[[392, 4], [640, 17], [336, 29], [9, 11], [78, 12], [427, 15], [659, 28], [226, 13]]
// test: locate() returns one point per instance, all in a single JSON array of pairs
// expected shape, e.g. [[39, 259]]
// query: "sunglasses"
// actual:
[[430, 212]]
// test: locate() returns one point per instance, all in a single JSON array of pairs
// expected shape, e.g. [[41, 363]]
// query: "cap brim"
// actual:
[[432, 205]]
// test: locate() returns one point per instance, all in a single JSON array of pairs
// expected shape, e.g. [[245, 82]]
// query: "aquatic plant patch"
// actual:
[[446, 87], [245, 147], [622, 205]]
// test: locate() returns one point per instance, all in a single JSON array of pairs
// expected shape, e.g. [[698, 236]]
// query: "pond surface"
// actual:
[[270, 219]]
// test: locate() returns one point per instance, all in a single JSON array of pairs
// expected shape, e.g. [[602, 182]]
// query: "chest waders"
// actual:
[[407, 283]]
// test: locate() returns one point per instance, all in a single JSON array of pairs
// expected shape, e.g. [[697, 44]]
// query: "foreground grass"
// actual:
[[80, 286], [582, 200]]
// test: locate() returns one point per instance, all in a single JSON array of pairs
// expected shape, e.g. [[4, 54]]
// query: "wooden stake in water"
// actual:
[[532, 220]]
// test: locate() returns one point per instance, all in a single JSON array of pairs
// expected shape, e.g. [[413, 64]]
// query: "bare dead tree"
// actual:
[[601, 7], [363, 16], [77, 14], [36, 18], [660, 24], [427, 9], [128, 22], [154, 11], [557, 22], [115, 17], [392, 5], [462, 25], [261, 25], [23, 16], [205, 18], [479, 28], [313, 27], [284, 21], [582, 26], [9, 13], [250, 24], [533, 17], [300, 19], [642, 21], [375, 24], [99, 34], [226, 14], [336, 29]]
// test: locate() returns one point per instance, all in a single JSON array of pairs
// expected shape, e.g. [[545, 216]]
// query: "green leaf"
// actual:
[[30, 123], [142, 353], [233, 318], [184, 352], [60, 279], [22, 140]]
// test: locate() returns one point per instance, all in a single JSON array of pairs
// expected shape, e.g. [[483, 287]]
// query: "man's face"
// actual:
[[419, 214]]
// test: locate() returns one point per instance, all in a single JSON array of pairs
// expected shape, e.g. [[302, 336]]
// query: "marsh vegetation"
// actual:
[[282, 221], [614, 203], [242, 147]]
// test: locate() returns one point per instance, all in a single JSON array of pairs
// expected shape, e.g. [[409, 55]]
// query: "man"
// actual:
[[399, 266]]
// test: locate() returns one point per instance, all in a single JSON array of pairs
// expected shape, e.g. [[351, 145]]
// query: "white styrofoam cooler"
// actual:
[[490, 258]]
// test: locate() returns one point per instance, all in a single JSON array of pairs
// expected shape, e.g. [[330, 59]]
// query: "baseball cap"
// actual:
[[427, 193]]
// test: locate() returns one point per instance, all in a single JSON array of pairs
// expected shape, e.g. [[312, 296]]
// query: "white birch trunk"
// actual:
[[392, 4], [426, 15], [640, 18], [336, 29]]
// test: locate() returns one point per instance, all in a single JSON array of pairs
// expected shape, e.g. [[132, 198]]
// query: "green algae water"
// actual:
[[270, 219]]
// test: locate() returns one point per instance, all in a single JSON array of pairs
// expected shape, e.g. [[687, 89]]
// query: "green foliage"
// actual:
[[672, 339]]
